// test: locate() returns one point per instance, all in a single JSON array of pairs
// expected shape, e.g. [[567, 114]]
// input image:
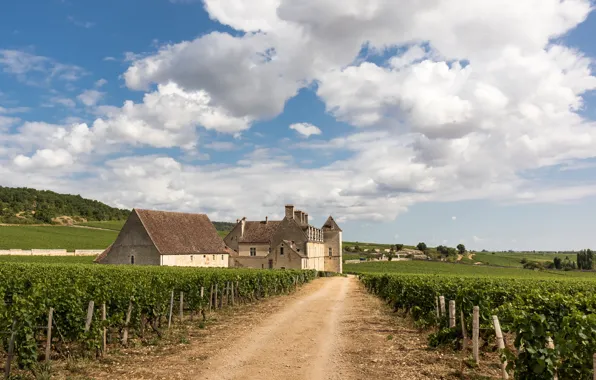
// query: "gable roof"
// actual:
[[259, 231], [291, 246], [102, 255], [181, 233], [330, 224]]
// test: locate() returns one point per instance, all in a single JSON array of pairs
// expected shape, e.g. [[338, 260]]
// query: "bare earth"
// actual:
[[329, 329]]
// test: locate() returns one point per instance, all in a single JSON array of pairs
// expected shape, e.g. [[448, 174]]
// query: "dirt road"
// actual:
[[329, 329]]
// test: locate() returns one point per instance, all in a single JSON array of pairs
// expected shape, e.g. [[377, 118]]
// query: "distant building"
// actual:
[[167, 238], [290, 243]]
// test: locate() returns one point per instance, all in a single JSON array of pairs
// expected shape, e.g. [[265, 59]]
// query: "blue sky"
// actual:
[[408, 123]]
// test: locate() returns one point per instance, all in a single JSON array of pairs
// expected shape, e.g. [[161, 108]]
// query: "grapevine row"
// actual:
[[532, 311], [28, 291]]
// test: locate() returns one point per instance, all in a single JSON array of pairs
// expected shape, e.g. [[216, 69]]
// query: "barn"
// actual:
[[167, 238]]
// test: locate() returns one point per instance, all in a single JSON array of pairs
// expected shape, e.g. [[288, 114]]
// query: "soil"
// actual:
[[328, 329]]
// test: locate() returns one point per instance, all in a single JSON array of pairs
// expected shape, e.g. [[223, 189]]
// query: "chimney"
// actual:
[[243, 222], [305, 218], [297, 216], [290, 211], [266, 219]]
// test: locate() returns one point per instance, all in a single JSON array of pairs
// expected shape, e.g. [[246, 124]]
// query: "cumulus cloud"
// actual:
[[306, 129], [463, 96], [101, 82], [90, 97]]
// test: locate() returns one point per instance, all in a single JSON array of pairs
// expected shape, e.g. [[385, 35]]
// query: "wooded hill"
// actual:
[[30, 206]]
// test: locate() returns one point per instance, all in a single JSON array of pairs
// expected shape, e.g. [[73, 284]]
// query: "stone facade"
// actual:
[[167, 238], [289, 243]]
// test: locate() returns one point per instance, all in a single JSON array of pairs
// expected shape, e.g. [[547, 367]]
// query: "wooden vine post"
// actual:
[[181, 306], [500, 344], [451, 314], [10, 352], [442, 303], [232, 285], [126, 323], [211, 298], [463, 330], [551, 345], [171, 309], [594, 361], [89, 315], [475, 333], [215, 301], [437, 305], [104, 340], [49, 335]]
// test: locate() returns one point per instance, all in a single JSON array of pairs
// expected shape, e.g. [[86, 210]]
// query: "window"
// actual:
[[132, 260], [191, 257], [281, 251], [204, 256], [213, 257], [330, 251], [253, 251], [222, 257]]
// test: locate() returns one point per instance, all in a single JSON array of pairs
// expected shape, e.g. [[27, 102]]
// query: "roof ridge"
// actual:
[[169, 212]]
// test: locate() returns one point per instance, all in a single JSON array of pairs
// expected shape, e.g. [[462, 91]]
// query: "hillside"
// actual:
[[31, 206]]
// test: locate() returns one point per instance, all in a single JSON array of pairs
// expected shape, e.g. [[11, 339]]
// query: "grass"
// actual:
[[54, 237], [433, 267], [223, 234], [48, 259], [512, 259], [115, 225]]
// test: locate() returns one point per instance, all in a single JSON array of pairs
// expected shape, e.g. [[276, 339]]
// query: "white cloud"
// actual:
[[221, 146], [453, 217], [79, 23], [101, 82], [44, 158], [25, 66], [306, 129], [59, 100], [475, 96], [90, 97], [477, 239], [108, 58]]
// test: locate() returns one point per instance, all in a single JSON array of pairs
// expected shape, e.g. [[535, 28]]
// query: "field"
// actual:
[[54, 237], [29, 290], [460, 270], [513, 259], [115, 225], [48, 259]]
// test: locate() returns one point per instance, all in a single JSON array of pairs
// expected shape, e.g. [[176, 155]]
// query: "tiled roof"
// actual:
[[181, 233], [259, 231], [292, 246], [102, 255]]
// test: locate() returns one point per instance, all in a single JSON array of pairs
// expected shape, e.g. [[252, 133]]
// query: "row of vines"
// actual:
[[530, 311], [28, 291]]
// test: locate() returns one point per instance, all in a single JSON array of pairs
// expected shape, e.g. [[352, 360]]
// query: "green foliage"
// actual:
[[115, 225], [458, 269], [444, 337], [54, 237], [40, 206], [534, 310], [446, 251], [461, 249], [224, 226], [48, 259], [421, 246], [399, 247], [585, 259], [29, 290]]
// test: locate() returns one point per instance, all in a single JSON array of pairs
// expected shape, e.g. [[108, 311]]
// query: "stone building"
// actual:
[[290, 243], [167, 238]]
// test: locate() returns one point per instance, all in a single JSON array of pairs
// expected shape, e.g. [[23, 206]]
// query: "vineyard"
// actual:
[[532, 312], [69, 300]]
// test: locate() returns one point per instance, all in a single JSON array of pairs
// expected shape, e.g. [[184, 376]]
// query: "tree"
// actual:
[[399, 247], [421, 247], [557, 262], [589, 259], [356, 248], [461, 249]]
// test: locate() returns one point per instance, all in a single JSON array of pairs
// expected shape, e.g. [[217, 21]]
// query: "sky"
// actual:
[[442, 121]]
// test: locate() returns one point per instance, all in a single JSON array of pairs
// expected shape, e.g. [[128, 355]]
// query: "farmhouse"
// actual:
[[167, 238], [290, 243]]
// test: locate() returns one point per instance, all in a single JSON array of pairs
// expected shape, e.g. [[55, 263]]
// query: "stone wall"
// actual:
[[50, 252], [206, 261]]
